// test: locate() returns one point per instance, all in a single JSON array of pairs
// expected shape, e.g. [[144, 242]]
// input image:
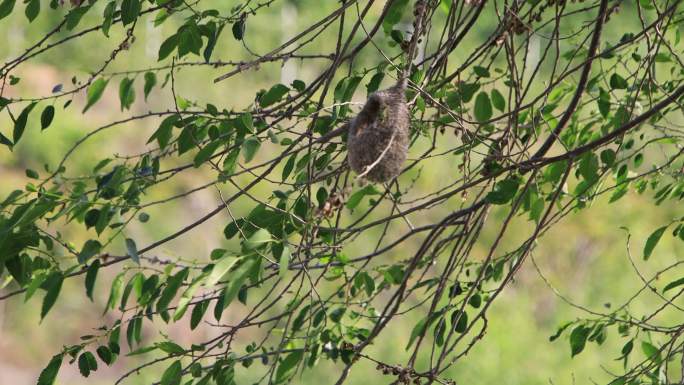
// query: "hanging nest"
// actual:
[[378, 137]]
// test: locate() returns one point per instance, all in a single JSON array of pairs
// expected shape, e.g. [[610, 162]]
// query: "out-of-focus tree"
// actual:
[[539, 107]]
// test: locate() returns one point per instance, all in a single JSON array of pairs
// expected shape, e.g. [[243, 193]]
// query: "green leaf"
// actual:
[[394, 14], [150, 82], [126, 93], [284, 261], [48, 375], [172, 285], [459, 321], [481, 71], [94, 92], [87, 363], [105, 354], [90, 248], [130, 9], [273, 95], [164, 132], [239, 29], [189, 40], [418, 329], [206, 153], [74, 16], [167, 47], [36, 282], [197, 313], [20, 123], [287, 367], [186, 297], [589, 167], [358, 196], [651, 352], [235, 281], [617, 82], [173, 374], [259, 239], [673, 284], [498, 100], [115, 290], [483, 107], [108, 16], [603, 102], [578, 339], [6, 8], [220, 269], [249, 148], [652, 241], [32, 10], [53, 285], [91, 276], [132, 250], [46, 117], [247, 121], [503, 191], [230, 163], [170, 347]]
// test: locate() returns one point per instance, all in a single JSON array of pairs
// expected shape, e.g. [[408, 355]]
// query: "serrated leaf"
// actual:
[[48, 375], [87, 363]]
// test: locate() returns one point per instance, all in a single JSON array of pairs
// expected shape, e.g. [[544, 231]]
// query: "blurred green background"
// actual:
[[584, 258]]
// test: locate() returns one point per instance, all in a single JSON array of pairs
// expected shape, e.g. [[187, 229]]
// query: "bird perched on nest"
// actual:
[[378, 137]]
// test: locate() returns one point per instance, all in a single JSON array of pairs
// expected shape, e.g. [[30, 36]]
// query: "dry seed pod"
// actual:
[[378, 137]]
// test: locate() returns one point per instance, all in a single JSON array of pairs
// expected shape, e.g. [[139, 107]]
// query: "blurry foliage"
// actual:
[[522, 113]]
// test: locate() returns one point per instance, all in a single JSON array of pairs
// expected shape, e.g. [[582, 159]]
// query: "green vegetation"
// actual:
[[169, 214]]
